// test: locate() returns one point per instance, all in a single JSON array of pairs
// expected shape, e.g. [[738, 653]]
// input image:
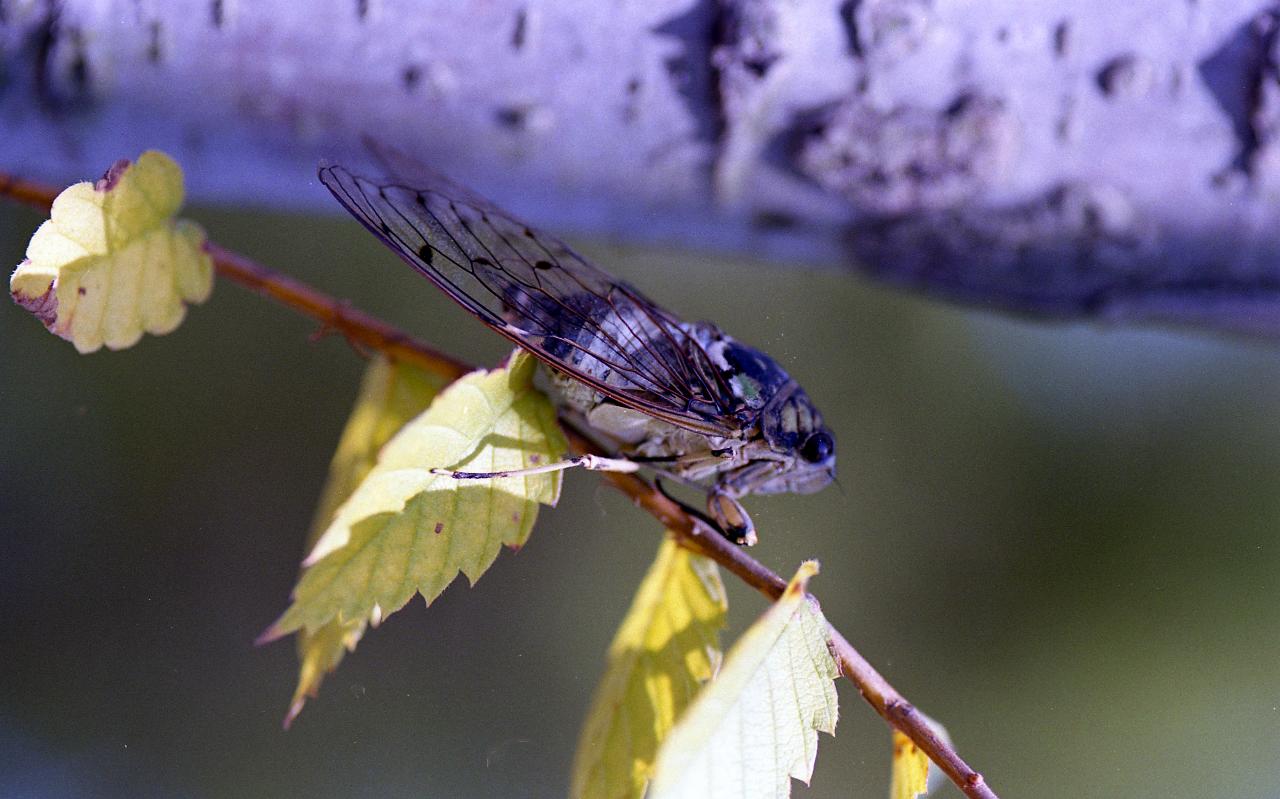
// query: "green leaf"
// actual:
[[111, 262], [665, 649], [755, 726], [405, 530], [390, 395]]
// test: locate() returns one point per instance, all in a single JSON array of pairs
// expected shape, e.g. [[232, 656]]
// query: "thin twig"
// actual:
[[358, 326], [369, 331]]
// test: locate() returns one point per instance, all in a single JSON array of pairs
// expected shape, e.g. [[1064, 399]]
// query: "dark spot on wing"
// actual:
[[543, 264], [426, 253], [217, 14], [482, 261]]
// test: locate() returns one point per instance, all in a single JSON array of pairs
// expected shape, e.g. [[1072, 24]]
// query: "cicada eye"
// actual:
[[818, 447]]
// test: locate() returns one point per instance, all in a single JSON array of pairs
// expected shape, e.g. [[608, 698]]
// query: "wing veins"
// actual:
[[643, 306], [404, 246], [587, 320], [399, 214]]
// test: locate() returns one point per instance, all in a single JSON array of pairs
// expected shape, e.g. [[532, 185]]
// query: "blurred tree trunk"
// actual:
[[1082, 158]]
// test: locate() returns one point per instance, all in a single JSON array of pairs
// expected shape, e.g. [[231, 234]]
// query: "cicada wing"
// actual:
[[536, 291]]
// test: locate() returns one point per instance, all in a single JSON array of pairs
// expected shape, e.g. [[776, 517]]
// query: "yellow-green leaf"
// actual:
[[405, 530], [910, 769], [390, 395], [755, 726], [665, 649], [111, 262], [913, 775], [319, 653]]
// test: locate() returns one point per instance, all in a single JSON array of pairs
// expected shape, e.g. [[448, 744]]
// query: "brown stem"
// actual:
[[368, 331], [358, 327], [882, 696]]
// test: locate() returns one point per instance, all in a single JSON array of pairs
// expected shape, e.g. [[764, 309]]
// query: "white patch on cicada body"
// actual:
[[639, 432], [625, 425], [716, 343], [713, 341]]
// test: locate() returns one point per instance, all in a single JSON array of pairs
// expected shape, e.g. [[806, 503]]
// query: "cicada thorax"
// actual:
[[770, 406], [618, 342], [594, 351]]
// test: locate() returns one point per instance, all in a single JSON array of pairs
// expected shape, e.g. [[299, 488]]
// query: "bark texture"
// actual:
[[1118, 161]]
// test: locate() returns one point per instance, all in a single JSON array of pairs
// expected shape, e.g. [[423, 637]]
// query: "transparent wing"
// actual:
[[533, 289]]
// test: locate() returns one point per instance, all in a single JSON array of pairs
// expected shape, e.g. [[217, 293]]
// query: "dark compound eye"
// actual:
[[817, 448]]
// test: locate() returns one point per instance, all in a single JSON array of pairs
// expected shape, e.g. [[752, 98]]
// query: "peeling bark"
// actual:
[[1116, 161]]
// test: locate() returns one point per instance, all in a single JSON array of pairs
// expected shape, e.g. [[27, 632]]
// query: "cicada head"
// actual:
[[794, 453], [790, 450], [805, 448], [815, 467]]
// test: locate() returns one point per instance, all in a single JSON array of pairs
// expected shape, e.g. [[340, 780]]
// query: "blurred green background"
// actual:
[[1062, 542]]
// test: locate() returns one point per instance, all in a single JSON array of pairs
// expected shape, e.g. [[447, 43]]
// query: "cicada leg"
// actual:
[[730, 517], [593, 463], [724, 514]]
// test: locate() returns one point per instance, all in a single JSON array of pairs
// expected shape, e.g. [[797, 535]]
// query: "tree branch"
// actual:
[[368, 331], [998, 154]]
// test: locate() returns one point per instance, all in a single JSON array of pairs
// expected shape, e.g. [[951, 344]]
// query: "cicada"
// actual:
[[684, 399]]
